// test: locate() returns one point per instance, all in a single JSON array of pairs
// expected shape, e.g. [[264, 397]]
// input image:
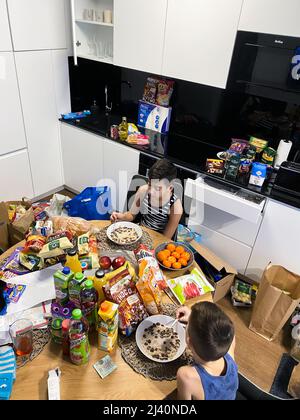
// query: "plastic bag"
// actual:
[[56, 207], [74, 225], [91, 204]]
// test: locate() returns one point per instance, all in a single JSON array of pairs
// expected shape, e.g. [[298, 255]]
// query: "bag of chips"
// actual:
[[55, 248], [150, 90], [165, 90], [34, 243], [241, 294]]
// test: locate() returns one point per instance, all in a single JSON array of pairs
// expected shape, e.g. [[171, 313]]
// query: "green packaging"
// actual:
[[61, 282]]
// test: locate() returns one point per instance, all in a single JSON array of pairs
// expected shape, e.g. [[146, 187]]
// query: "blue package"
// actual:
[[154, 117], [6, 384], [76, 115], [258, 174]]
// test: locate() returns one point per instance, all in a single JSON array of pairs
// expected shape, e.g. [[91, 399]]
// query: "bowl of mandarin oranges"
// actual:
[[174, 256]]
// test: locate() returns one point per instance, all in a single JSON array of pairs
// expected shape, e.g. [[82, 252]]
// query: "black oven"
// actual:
[[266, 65]]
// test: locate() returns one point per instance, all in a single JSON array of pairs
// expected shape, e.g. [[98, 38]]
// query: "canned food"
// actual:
[[114, 132]]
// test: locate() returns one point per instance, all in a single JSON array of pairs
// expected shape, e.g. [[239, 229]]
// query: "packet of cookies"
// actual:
[[149, 268]]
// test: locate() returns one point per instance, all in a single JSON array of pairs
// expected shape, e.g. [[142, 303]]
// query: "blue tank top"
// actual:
[[220, 387]]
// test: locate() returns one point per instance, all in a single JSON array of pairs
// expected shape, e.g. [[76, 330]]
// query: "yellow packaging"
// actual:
[[108, 321]]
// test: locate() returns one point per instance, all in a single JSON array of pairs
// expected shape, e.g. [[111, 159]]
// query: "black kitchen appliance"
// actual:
[[288, 179], [266, 65]]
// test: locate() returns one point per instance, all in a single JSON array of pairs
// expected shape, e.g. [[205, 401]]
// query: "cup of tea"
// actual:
[[21, 333]]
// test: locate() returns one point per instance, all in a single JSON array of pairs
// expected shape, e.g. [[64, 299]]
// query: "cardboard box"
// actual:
[[223, 286]]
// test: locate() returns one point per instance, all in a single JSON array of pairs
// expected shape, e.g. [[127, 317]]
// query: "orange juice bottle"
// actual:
[[73, 262]]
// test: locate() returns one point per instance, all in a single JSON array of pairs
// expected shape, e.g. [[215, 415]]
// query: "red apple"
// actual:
[[105, 263], [118, 262]]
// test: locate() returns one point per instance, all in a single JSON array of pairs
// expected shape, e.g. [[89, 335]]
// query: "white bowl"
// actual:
[[119, 225], [164, 320]]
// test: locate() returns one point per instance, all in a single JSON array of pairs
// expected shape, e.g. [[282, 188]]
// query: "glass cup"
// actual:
[[107, 16], [98, 16], [21, 333]]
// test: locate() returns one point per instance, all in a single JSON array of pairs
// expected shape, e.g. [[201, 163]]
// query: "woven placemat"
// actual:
[[41, 338], [146, 367], [107, 245]]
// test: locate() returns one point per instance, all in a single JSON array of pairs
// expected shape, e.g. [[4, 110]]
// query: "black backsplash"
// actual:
[[200, 112]]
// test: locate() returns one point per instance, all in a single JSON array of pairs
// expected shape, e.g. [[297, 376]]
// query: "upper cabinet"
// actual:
[[271, 16], [37, 25], [5, 40], [139, 33], [199, 40]]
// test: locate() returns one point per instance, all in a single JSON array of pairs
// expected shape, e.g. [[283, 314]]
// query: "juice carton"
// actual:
[[75, 286], [108, 320], [61, 281]]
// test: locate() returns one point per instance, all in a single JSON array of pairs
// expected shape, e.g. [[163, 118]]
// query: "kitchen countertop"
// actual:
[[186, 152]]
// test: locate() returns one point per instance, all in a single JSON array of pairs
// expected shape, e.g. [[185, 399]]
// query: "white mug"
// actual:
[[107, 16]]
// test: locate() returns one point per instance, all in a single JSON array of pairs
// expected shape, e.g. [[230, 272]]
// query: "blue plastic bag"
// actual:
[[94, 203]]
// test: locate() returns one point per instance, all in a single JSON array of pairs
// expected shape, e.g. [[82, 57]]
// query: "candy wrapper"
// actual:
[[31, 261], [12, 264], [34, 243]]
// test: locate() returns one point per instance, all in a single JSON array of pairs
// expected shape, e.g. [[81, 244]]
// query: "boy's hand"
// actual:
[[183, 314], [115, 217]]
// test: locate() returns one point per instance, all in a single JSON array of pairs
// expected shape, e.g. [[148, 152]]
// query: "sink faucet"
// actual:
[[107, 107]]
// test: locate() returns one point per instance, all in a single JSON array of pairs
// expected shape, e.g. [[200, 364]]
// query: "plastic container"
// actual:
[[56, 330], [73, 262], [75, 288], [99, 283], [79, 341], [89, 302], [108, 320], [61, 281], [65, 336]]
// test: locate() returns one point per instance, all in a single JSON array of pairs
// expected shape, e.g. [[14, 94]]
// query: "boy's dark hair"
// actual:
[[163, 169], [211, 331]]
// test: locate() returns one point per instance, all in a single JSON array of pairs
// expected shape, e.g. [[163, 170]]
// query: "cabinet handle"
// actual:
[[78, 44]]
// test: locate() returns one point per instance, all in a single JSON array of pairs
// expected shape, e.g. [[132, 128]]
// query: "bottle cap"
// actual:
[[65, 324], [79, 276], [104, 306], [66, 270], [84, 266], [89, 284], [56, 324], [100, 274], [77, 314], [72, 252]]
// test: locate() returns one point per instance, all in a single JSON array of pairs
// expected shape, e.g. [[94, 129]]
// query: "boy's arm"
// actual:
[[130, 215], [189, 385], [176, 212]]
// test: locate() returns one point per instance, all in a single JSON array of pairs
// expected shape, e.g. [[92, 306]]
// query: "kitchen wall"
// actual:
[[34, 91]]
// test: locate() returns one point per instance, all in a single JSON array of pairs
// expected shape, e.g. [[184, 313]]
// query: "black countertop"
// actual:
[[186, 152]]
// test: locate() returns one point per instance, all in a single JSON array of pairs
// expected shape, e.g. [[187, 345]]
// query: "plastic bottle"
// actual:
[[61, 281], [56, 330], [79, 341], [73, 262], [89, 302], [65, 336], [99, 282], [75, 288]]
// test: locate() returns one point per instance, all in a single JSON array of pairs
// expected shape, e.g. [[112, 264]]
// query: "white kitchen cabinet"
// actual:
[[271, 16], [37, 90], [199, 40], [15, 176], [120, 164], [5, 39], [139, 34], [37, 25], [82, 158], [278, 240], [12, 134], [61, 81]]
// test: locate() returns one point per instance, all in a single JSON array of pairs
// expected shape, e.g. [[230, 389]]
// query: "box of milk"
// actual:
[[154, 117]]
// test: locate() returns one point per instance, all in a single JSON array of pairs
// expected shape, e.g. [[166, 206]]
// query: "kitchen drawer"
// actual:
[[235, 253], [228, 202]]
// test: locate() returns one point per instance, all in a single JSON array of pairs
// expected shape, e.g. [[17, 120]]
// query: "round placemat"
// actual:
[[108, 245], [149, 369], [41, 338]]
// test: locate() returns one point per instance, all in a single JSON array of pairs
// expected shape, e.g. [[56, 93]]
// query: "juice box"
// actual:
[[61, 281], [108, 320]]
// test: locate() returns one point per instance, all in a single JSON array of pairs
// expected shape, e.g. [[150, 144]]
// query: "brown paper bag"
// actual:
[[277, 298], [4, 221], [15, 232]]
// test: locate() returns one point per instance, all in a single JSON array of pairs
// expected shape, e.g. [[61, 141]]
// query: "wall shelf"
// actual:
[[92, 22]]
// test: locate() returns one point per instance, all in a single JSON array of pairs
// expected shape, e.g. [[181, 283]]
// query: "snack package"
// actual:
[[60, 234], [165, 90], [215, 166], [39, 211], [150, 90], [258, 174], [12, 265], [30, 261], [75, 225], [91, 259], [152, 266], [245, 166], [259, 144], [131, 313], [34, 243], [119, 287], [241, 294], [14, 292], [44, 228], [83, 244], [55, 248], [239, 146]]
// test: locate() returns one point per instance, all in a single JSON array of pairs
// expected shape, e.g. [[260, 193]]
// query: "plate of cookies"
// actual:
[[161, 339]]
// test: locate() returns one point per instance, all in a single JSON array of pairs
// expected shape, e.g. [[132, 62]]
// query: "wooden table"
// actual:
[[257, 359]]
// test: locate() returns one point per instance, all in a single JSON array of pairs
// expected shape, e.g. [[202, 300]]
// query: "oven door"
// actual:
[[263, 62]]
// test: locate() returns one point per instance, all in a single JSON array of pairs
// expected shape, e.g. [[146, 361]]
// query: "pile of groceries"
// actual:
[[245, 161]]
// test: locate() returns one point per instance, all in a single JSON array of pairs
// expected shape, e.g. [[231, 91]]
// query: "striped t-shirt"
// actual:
[[156, 218]]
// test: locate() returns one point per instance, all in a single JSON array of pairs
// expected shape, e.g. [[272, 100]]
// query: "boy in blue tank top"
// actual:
[[211, 339]]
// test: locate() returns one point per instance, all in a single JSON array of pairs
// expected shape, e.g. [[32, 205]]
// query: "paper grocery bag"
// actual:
[[278, 296], [4, 221]]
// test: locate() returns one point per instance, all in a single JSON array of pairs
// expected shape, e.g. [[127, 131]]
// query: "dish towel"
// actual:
[[8, 369]]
